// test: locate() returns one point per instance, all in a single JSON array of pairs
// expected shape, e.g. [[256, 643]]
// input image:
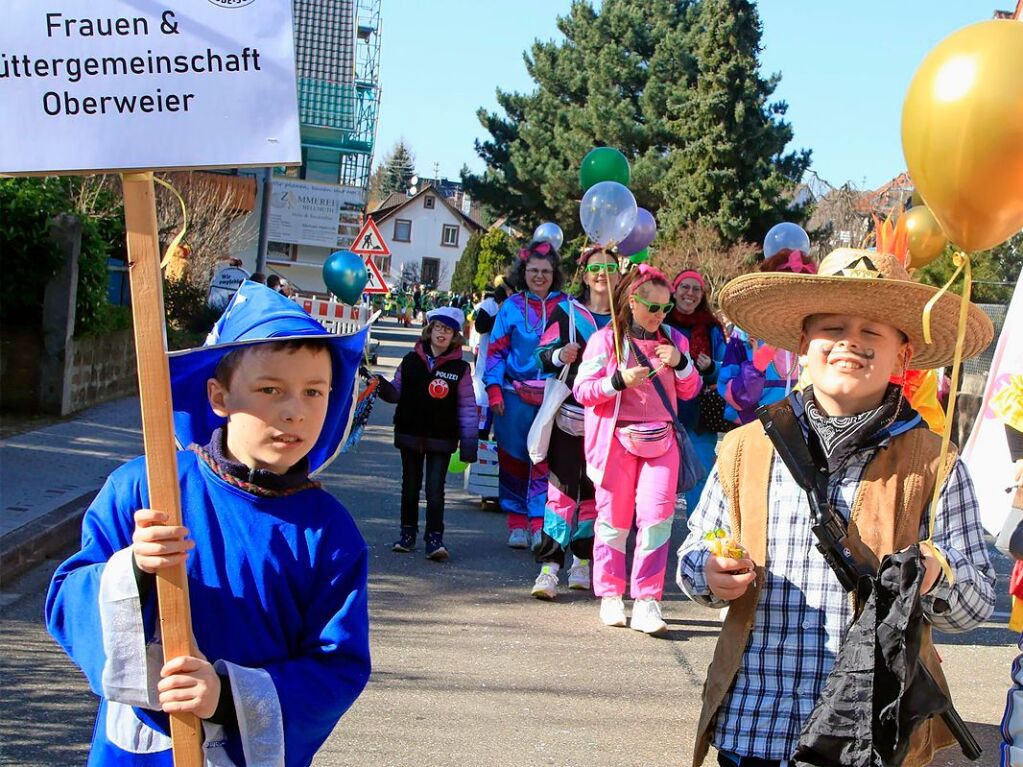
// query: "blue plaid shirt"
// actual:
[[804, 612]]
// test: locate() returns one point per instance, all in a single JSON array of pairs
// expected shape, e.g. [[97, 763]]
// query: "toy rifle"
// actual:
[[853, 566]]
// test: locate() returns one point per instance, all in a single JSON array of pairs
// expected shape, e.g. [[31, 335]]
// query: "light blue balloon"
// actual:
[[549, 232], [608, 213], [785, 238]]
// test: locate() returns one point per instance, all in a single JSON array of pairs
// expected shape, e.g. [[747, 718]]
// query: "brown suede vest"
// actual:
[[886, 515]]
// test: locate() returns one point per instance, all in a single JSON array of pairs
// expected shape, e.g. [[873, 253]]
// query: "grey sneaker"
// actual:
[[546, 586], [579, 575]]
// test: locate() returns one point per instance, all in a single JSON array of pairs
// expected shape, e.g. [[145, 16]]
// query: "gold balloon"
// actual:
[[926, 240], [962, 133]]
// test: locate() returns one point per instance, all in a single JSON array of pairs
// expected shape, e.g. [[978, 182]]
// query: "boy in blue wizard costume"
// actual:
[[276, 567]]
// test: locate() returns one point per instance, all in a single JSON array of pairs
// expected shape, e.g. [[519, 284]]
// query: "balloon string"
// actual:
[[962, 261], [614, 325], [173, 247]]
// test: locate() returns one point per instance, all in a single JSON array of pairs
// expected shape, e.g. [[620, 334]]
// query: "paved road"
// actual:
[[467, 668]]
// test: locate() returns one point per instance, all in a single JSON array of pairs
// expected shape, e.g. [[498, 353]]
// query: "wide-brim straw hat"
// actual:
[[876, 286]]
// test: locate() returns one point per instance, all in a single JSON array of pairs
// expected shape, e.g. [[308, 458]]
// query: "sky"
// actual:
[[845, 67]]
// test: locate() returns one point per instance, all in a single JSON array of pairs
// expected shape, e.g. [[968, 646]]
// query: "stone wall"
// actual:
[[102, 368]]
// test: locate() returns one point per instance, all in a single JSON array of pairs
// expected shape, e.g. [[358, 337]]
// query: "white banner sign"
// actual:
[[123, 84], [306, 213]]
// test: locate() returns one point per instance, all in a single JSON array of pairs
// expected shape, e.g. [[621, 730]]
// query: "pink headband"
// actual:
[[536, 249], [647, 273], [796, 264], [691, 274]]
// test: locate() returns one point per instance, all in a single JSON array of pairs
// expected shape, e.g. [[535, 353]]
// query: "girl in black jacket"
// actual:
[[436, 415]]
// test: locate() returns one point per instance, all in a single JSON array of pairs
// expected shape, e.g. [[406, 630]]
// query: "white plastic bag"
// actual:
[[555, 392]]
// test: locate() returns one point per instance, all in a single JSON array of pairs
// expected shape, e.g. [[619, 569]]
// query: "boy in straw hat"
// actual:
[[856, 323], [276, 567]]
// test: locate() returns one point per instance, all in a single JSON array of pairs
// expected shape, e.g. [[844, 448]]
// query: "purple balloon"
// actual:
[[642, 233]]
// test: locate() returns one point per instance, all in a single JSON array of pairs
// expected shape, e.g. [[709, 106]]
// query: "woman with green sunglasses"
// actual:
[[571, 508]]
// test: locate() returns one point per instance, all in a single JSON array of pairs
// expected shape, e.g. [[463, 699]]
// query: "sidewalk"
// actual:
[[48, 477]]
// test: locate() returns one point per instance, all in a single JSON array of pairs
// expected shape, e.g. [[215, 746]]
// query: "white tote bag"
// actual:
[[555, 392]]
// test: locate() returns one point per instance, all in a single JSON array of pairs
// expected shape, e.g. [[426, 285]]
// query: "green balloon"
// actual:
[[456, 465], [641, 257], [603, 163]]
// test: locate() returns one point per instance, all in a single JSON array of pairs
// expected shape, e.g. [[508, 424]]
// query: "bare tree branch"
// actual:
[[699, 246]]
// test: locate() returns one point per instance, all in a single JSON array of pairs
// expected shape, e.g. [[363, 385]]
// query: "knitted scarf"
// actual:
[[697, 326]]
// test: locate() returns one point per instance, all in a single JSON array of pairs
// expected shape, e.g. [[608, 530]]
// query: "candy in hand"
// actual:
[[721, 544]]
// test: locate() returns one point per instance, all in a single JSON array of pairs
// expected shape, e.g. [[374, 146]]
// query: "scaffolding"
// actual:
[[337, 46]]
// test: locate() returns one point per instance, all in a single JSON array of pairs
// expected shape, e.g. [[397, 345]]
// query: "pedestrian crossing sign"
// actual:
[[375, 283], [368, 241]]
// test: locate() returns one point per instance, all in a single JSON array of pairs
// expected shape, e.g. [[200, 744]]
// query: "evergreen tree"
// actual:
[[399, 168], [730, 168], [497, 251], [995, 271], [625, 77], [375, 192], [462, 281]]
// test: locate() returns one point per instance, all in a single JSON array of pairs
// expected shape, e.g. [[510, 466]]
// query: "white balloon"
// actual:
[[608, 213], [549, 232]]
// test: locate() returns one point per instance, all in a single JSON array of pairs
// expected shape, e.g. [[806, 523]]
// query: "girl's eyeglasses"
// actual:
[[598, 268], [655, 308]]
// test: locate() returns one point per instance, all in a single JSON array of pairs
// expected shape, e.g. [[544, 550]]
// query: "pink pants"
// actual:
[[644, 490]]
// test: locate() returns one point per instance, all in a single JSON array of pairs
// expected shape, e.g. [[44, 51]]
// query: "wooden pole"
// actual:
[[158, 434]]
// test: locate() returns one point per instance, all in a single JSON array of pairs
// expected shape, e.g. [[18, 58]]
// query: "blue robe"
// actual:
[[278, 601]]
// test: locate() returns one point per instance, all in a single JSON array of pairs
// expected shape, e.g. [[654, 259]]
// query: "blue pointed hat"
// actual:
[[257, 314]]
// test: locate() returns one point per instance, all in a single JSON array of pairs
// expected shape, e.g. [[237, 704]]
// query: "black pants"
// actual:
[[567, 465], [412, 482]]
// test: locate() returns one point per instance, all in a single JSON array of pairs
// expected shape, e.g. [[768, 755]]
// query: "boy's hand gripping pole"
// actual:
[[158, 434]]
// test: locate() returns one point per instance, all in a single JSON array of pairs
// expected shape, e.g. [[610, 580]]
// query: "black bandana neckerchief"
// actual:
[[835, 438]]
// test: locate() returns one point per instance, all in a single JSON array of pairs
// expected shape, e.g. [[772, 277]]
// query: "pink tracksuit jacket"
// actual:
[[601, 402]]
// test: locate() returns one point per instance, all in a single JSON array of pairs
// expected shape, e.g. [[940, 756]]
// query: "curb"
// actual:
[[32, 543]]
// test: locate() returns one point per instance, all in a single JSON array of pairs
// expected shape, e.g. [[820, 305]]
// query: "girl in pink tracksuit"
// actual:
[[632, 454]]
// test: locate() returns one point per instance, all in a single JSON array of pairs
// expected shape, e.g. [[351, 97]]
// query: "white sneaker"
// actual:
[[536, 539], [546, 586], [518, 539], [612, 611], [579, 575], [646, 617]]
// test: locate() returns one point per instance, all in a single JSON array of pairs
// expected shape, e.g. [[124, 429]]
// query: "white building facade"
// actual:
[[426, 235]]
